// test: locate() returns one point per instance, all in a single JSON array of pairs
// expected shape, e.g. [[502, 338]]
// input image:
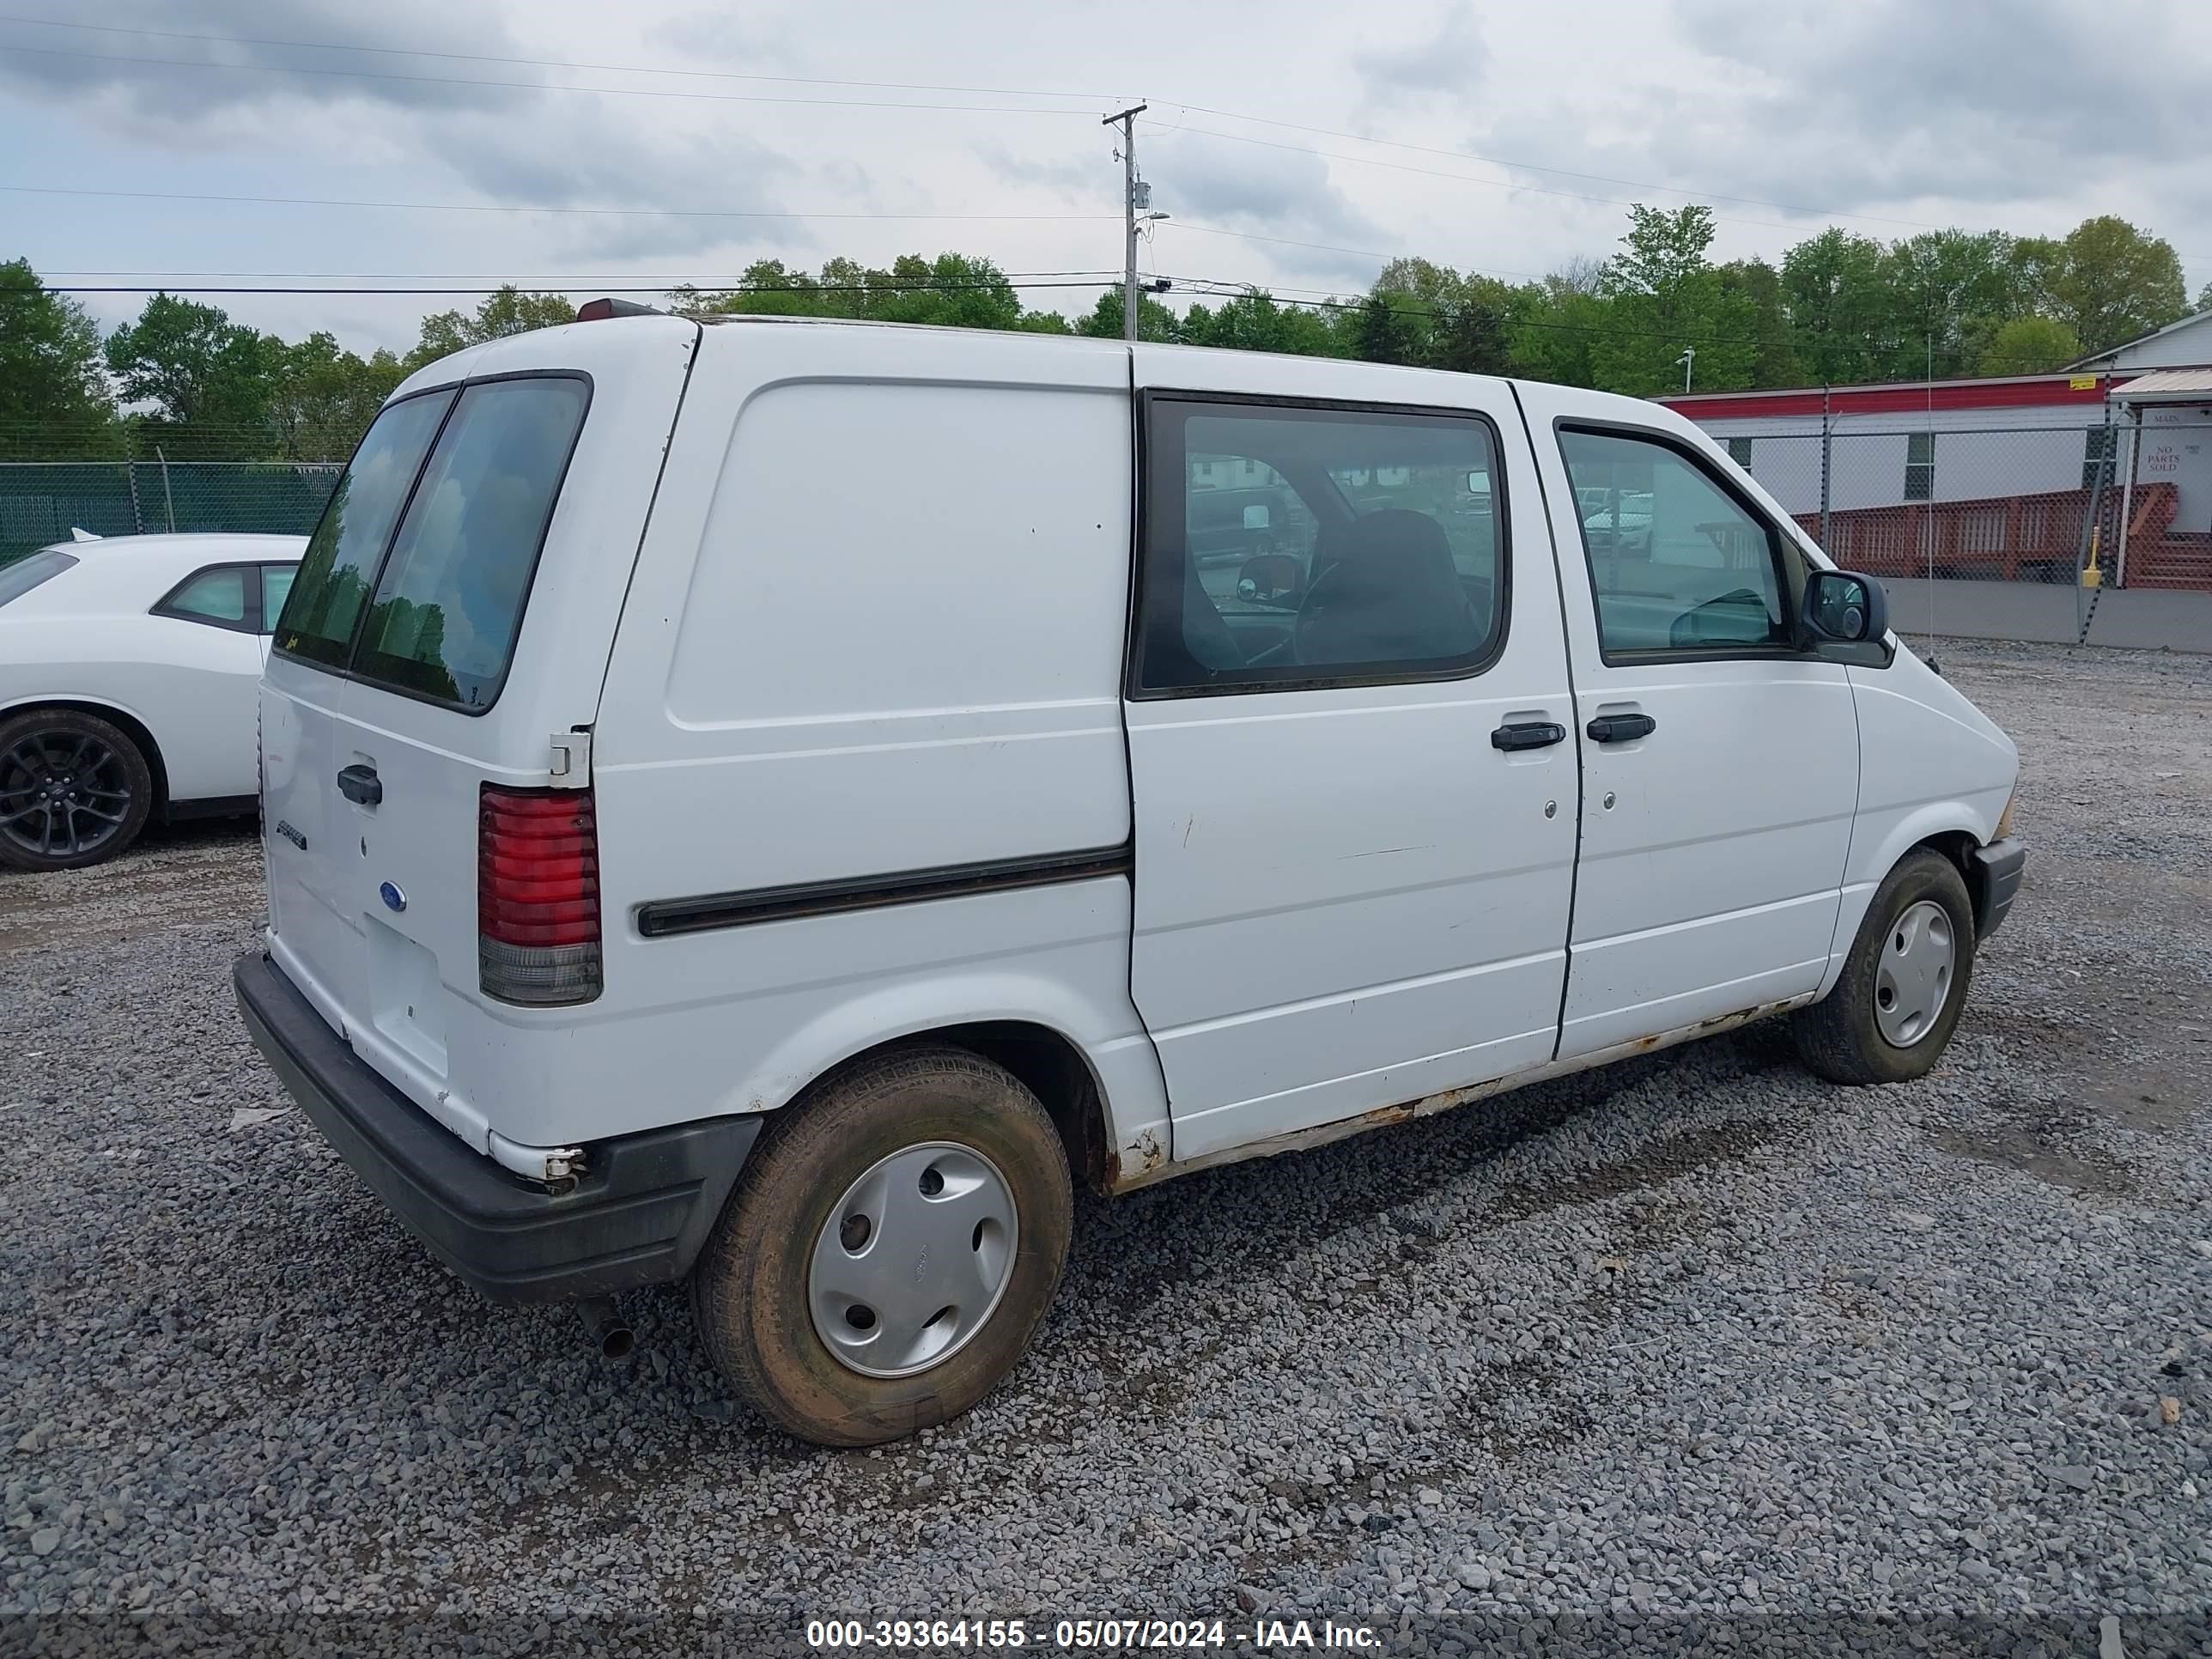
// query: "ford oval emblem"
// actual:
[[393, 898]]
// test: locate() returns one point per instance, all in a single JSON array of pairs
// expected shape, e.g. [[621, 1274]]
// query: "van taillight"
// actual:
[[537, 895]]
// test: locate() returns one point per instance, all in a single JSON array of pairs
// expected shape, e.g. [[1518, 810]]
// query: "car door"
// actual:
[[217, 680], [1354, 805], [1720, 760]]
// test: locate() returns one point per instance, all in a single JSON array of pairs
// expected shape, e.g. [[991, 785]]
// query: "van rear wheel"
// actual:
[[1898, 999], [893, 1246]]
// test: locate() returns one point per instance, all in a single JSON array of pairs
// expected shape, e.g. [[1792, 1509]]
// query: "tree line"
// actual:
[[1839, 308]]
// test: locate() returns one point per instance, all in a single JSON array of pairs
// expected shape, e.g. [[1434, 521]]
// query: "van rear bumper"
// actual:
[[638, 1216]]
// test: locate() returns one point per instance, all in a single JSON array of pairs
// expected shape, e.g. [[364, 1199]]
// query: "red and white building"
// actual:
[[1991, 476]]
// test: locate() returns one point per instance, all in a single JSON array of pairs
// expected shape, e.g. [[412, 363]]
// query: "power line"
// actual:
[[998, 92], [894, 285], [534, 86], [548, 63], [569, 281], [1537, 167], [1506, 183], [524, 207]]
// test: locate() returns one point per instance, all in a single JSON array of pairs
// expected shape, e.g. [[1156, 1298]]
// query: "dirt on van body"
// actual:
[[1692, 1345]]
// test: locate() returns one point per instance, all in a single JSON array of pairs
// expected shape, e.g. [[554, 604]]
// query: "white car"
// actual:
[[774, 805], [128, 667]]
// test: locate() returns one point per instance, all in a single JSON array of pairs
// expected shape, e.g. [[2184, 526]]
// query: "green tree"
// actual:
[[1387, 334], [1665, 297], [2204, 298], [2029, 345], [507, 311], [54, 400], [325, 396], [1759, 285], [2112, 282], [211, 381], [1154, 320], [1946, 291], [1554, 330]]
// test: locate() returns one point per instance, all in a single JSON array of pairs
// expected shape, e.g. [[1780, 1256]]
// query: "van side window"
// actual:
[[1309, 547], [1676, 562]]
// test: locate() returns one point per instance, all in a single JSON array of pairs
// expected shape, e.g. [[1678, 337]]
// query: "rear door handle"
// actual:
[[1527, 734], [361, 785], [1621, 728]]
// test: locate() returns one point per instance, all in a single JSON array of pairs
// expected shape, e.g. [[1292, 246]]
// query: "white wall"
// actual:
[[2189, 346], [2176, 447], [1978, 453]]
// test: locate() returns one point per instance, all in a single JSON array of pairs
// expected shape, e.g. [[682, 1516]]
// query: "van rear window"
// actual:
[[448, 604], [348, 546], [440, 551]]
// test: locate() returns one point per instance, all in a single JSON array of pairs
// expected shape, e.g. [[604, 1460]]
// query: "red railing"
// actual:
[[2020, 538]]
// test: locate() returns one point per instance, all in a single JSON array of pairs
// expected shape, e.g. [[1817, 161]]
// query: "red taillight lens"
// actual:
[[537, 895]]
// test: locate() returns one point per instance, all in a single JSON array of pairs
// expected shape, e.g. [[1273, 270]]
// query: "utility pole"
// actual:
[[1689, 361], [1127, 120]]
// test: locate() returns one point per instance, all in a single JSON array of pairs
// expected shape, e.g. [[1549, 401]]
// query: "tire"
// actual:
[[74, 790], [1841, 1037], [760, 1305]]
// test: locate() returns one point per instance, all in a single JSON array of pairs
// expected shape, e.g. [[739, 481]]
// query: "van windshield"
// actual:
[[450, 580]]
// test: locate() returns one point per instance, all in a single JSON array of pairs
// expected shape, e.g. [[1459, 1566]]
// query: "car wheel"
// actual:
[[894, 1243], [74, 790], [1898, 999]]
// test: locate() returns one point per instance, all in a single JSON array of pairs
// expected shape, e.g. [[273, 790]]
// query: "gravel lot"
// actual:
[[1691, 1353]]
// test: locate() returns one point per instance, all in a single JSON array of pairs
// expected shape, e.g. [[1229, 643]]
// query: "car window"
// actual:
[[450, 600], [276, 587], [347, 548], [222, 594], [1676, 562], [26, 573], [1315, 547]]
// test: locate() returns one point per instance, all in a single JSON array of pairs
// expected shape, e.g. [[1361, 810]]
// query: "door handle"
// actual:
[[361, 785], [1527, 734], [1621, 728]]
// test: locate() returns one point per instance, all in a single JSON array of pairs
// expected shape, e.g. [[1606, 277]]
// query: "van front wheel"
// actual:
[[1893, 1011], [893, 1246]]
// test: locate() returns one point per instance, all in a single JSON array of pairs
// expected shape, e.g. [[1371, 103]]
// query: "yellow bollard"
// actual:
[[2091, 576]]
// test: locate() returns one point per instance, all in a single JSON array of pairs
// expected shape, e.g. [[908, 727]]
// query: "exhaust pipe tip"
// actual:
[[609, 1332]]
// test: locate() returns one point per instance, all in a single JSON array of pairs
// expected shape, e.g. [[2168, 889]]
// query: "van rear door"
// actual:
[[449, 631]]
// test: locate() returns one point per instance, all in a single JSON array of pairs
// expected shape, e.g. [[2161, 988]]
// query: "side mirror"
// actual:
[[1845, 610], [1271, 579]]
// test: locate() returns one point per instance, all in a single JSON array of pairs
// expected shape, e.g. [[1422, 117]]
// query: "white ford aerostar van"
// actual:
[[775, 803]]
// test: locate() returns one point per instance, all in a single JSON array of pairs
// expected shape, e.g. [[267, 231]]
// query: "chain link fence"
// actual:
[[44, 502], [2110, 506]]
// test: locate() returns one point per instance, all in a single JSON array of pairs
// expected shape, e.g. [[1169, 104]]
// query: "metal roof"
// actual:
[[2159, 386], [2111, 352]]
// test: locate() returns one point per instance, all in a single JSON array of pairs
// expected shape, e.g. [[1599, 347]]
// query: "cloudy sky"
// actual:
[[1296, 145]]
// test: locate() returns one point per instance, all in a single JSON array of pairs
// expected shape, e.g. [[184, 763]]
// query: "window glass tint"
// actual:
[[276, 584], [1675, 564], [444, 615], [26, 573], [215, 596], [1317, 547], [341, 556]]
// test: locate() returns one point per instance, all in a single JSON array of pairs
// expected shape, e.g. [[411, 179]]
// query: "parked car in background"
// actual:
[[128, 669]]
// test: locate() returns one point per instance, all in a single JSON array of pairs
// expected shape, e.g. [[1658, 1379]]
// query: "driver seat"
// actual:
[[1393, 596]]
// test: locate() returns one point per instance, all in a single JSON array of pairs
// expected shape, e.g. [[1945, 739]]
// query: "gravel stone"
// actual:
[[1647, 1360]]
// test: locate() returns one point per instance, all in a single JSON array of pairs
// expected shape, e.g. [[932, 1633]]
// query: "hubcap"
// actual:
[[912, 1262], [61, 794], [1914, 980]]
